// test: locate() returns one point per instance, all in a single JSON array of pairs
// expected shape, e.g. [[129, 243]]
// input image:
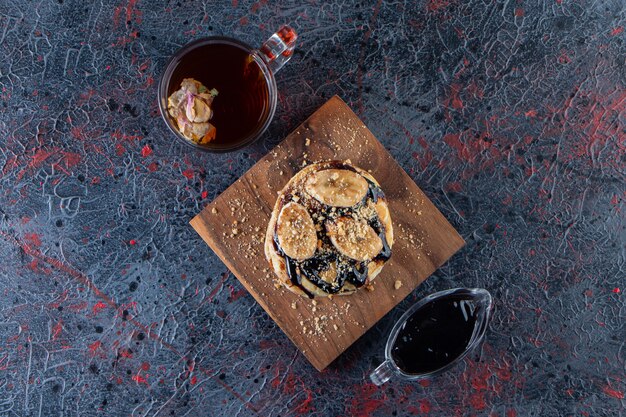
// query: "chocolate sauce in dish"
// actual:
[[435, 334]]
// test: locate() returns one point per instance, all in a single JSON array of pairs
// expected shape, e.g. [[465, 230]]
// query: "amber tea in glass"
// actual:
[[244, 80]]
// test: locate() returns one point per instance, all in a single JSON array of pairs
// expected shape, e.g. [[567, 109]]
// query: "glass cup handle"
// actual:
[[382, 373], [278, 49]]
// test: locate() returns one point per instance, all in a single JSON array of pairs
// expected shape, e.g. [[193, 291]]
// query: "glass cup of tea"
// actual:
[[242, 78], [435, 334]]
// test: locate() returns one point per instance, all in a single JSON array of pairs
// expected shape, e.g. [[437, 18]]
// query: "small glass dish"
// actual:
[[483, 303]]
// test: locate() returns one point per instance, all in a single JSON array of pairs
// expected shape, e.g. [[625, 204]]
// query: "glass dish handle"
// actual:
[[382, 374], [278, 49]]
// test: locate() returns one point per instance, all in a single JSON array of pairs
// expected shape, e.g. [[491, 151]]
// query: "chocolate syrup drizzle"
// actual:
[[356, 273]]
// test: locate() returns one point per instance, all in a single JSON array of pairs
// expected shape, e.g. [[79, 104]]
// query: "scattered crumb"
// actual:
[[397, 284], [293, 305], [307, 142], [335, 327], [369, 287]]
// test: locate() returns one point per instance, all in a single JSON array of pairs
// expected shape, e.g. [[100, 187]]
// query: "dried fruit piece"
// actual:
[[190, 106]]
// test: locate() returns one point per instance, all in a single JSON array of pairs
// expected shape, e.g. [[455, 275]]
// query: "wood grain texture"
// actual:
[[424, 239]]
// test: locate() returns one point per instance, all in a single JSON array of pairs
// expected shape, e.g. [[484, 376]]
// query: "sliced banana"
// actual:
[[353, 238], [336, 187], [296, 232]]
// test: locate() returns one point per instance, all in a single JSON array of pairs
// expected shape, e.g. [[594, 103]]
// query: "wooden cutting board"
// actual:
[[234, 224]]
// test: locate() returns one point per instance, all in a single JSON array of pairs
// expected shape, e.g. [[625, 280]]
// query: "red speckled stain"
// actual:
[[293, 384], [454, 141], [305, 406], [132, 242], [423, 408], [437, 5], [487, 381], [194, 380], [78, 307], [140, 379], [426, 156], [33, 239], [519, 12], [616, 290], [36, 161], [93, 348], [455, 100], [71, 159], [564, 58], [367, 398], [256, 6], [243, 21], [601, 126], [125, 353], [596, 120], [130, 13], [236, 295], [511, 413], [9, 165], [153, 167], [98, 307], [454, 186], [123, 136], [617, 31], [188, 173], [116, 17], [615, 200], [266, 344], [146, 151], [56, 330], [204, 194], [613, 392]]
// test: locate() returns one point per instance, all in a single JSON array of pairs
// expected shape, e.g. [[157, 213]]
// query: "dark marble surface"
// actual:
[[510, 115]]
